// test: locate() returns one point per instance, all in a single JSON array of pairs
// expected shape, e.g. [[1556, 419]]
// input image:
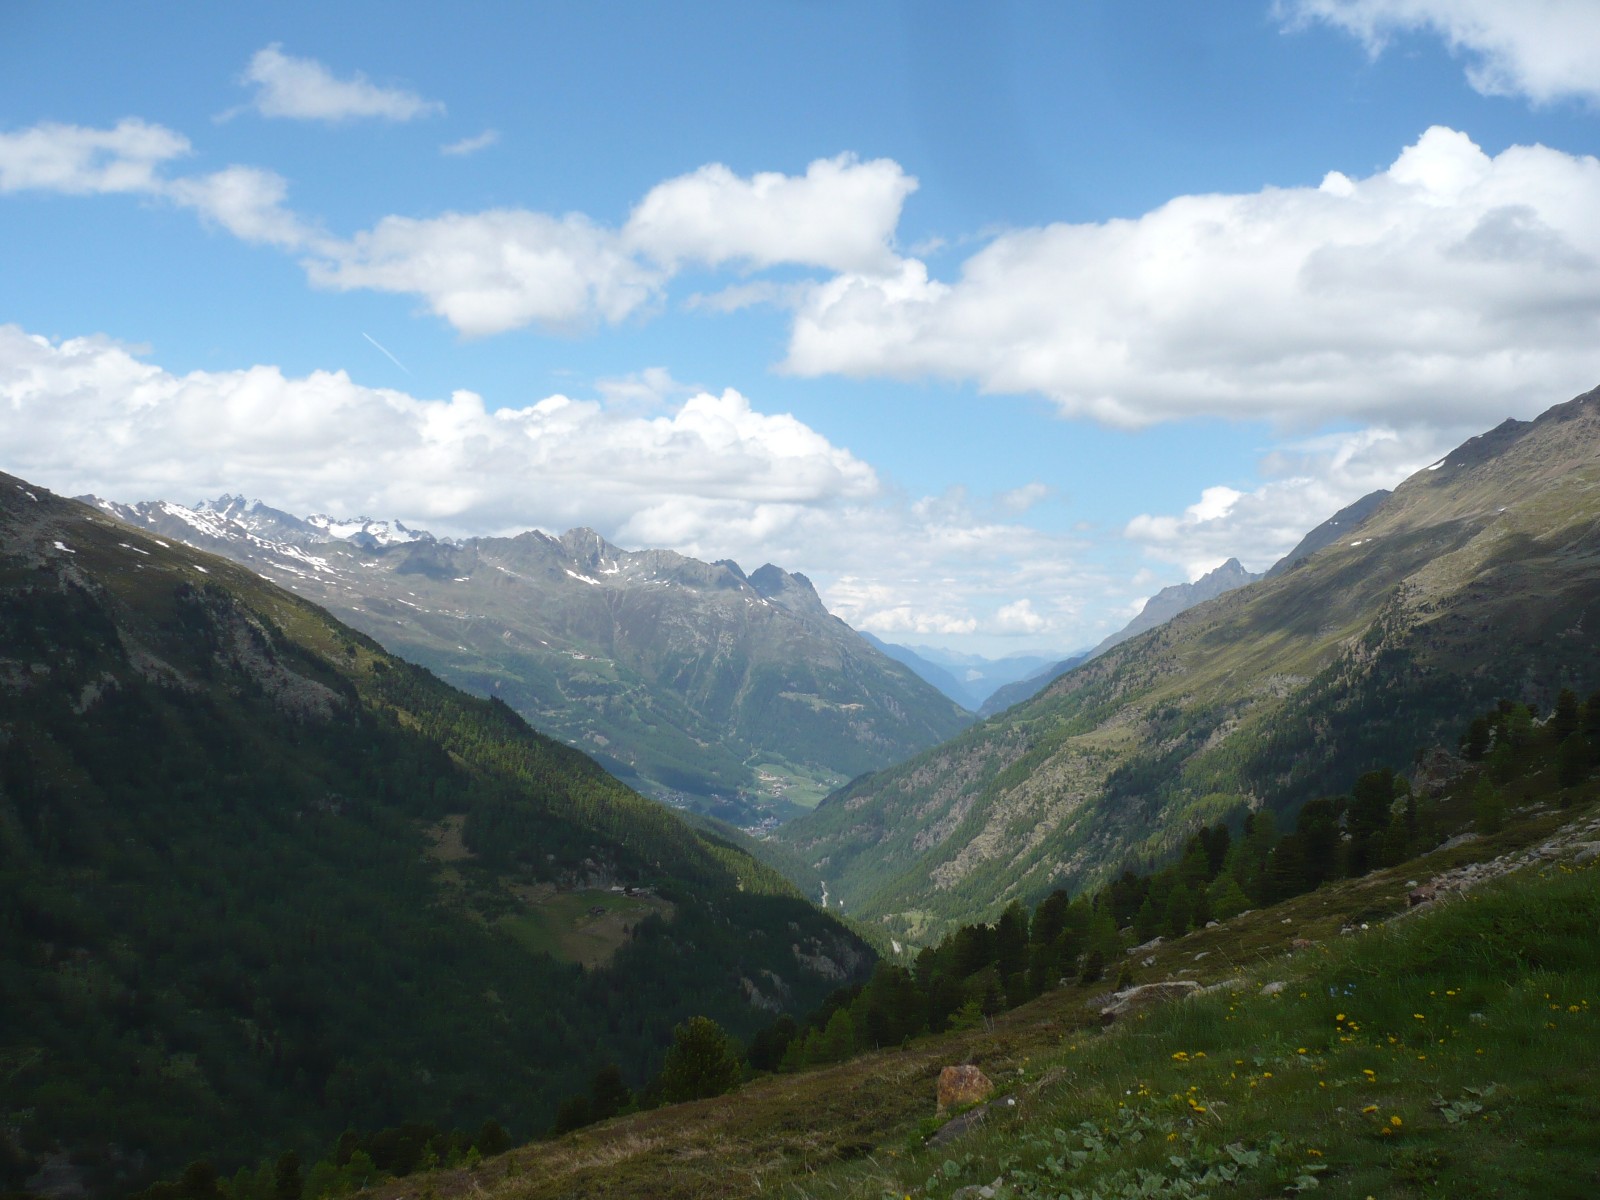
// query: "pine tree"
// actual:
[[702, 1062], [1180, 911], [286, 1183], [608, 1094], [1488, 806], [1572, 760]]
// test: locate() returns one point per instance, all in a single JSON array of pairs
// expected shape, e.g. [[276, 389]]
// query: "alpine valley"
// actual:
[[261, 881], [1477, 578], [736, 695]]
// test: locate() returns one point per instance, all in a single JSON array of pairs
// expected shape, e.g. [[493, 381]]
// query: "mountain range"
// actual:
[[968, 679], [261, 880], [1476, 578], [736, 695], [1157, 610]]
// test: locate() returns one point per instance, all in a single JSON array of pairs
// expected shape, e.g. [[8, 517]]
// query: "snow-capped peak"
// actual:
[[360, 529]]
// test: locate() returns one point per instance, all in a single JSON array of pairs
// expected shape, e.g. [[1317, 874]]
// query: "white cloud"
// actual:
[[326, 443], [304, 89], [493, 271], [471, 145], [1307, 482], [840, 215], [81, 161], [1544, 50], [1449, 287], [1019, 617], [707, 474], [1021, 499], [490, 272], [246, 201]]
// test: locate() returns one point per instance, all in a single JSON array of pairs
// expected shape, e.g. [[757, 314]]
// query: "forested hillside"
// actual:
[[739, 696], [261, 881], [1474, 580]]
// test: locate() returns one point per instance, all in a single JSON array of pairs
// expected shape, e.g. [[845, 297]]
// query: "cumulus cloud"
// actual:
[[1019, 617], [1306, 483], [1021, 499], [326, 443], [840, 215], [471, 145], [490, 272], [705, 473], [1452, 284], [81, 161], [304, 89], [74, 160], [248, 202], [1544, 50]]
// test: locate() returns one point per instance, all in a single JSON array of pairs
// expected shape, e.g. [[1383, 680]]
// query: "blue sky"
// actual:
[[991, 318]]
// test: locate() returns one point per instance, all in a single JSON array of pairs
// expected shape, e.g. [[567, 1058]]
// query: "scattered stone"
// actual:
[[1143, 946], [1419, 895], [1212, 924], [1434, 773], [1126, 1001], [1587, 853], [978, 1191], [1148, 962], [1227, 985], [961, 1085], [1201, 955], [1273, 988], [967, 1121]]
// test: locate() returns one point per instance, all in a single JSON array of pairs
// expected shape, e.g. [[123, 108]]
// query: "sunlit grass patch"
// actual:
[[1446, 1055]]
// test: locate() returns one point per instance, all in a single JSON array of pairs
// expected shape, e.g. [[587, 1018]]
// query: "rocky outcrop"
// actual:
[[963, 1085]]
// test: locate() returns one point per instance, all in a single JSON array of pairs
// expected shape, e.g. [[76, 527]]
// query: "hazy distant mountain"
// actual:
[[1170, 601], [1477, 578], [1015, 693], [1160, 608], [968, 679], [736, 695]]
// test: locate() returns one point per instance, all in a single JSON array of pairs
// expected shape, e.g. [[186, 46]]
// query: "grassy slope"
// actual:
[[1469, 582], [1477, 1019]]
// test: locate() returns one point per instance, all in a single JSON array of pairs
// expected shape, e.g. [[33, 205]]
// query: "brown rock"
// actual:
[[1126, 1001], [963, 1085]]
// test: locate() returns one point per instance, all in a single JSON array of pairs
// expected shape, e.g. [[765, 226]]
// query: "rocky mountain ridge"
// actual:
[[736, 695], [1477, 577]]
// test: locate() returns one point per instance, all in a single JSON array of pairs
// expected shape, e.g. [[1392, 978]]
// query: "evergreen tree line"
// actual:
[[983, 969], [1222, 871], [219, 931]]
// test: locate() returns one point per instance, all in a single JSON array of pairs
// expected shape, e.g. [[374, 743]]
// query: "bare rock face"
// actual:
[[1129, 999], [963, 1085]]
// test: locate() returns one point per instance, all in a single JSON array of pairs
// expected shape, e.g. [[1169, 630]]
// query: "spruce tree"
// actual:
[[702, 1062]]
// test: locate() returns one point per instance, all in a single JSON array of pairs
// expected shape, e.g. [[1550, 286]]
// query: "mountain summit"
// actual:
[[737, 695]]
